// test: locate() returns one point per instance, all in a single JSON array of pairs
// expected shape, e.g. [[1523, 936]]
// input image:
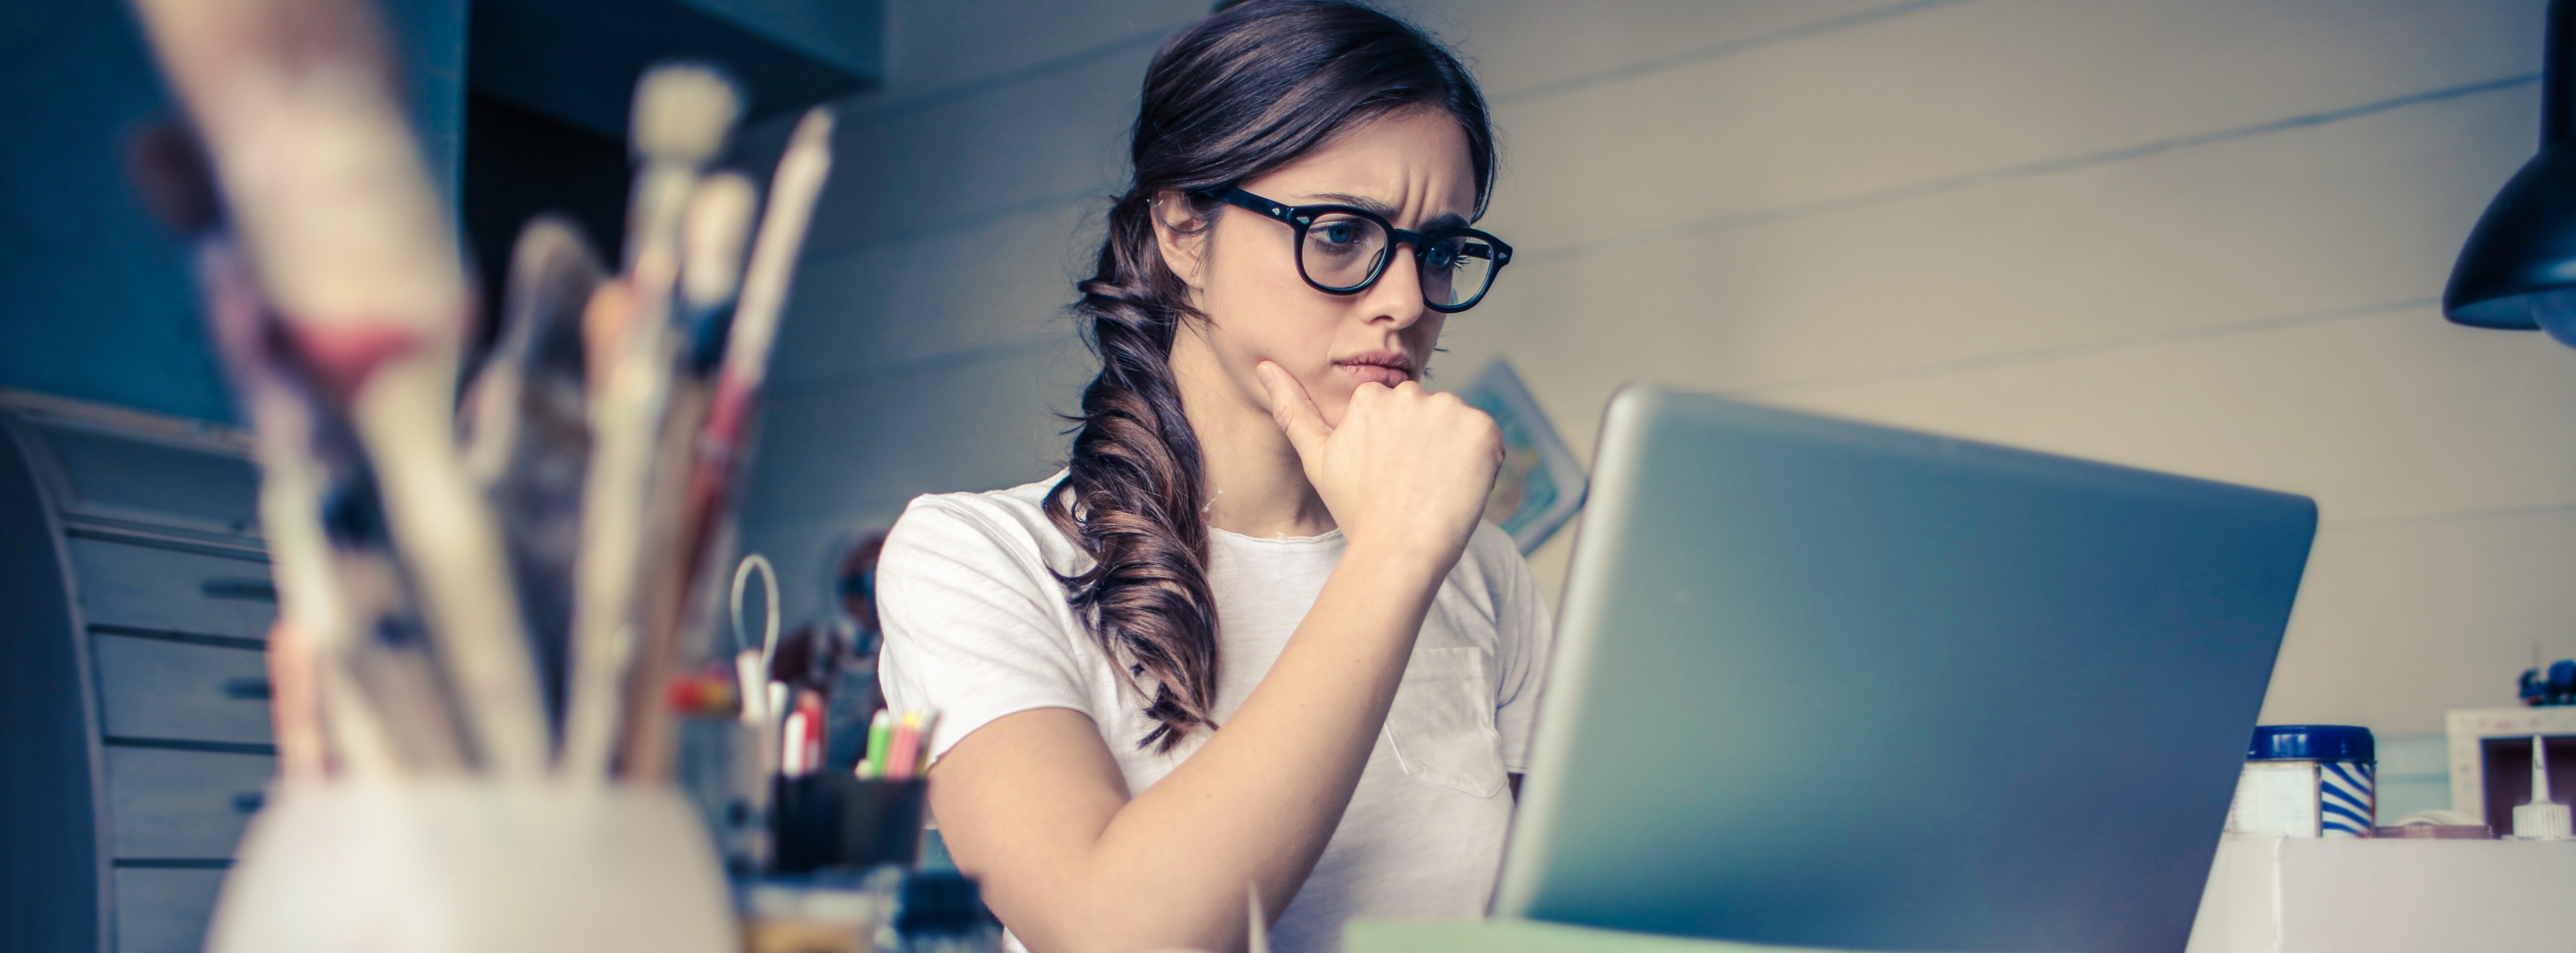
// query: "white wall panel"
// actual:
[[936, 46], [952, 289], [2309, 222], [908, 167], [1969, 88], [2377, 417], [2399, 622], [971, 422], [1521, 48]]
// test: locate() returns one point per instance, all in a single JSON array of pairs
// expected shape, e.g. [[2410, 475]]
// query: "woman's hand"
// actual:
[[1406, 469]]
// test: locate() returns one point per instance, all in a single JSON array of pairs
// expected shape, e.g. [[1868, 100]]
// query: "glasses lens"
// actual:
[[1341, 251], [1455, 270]]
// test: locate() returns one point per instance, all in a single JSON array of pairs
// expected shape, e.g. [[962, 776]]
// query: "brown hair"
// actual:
[[1249, 89]]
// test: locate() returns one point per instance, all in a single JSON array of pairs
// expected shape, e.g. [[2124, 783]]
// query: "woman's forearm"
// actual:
[[1257, 803]]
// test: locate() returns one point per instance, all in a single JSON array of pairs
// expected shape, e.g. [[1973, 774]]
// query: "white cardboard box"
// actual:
[[2308, 895], [2468, 727]]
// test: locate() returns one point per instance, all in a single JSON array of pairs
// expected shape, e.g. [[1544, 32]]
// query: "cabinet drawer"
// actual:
[[154, 688], [164, 911], [167, 590], [112, 472], [182, 804]]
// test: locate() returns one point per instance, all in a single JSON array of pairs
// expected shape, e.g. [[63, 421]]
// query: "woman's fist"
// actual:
[[1406, 469]]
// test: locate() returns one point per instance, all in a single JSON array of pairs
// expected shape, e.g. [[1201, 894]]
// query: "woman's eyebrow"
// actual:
[[1361, 201], [1436, 222]]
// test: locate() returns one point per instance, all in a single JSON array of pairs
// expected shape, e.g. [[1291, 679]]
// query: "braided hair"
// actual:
[[1249, 89]]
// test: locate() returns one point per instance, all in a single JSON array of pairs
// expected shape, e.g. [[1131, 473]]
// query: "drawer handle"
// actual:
[[246, 689], [256, 590], [248, 802]]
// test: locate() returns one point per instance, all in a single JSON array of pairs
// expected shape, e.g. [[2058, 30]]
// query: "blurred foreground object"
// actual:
[[347, 241], [475, 866], [483, 601]]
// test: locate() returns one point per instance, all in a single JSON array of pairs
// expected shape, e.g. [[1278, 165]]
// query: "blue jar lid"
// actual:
[[2312, 743]]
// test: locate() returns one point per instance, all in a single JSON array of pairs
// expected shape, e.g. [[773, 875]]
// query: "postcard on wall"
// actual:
[[1540, 486]]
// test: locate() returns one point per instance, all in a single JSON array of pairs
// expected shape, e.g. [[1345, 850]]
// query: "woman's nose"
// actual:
[[1397, 295]]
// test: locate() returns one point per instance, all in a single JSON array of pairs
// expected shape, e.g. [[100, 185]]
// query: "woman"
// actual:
[[1254, 634]]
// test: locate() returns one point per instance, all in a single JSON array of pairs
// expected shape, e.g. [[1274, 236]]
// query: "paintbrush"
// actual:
[[297, 474], [724, 441], [375, 678], [712, 236], [298, 108], [526, 431], [308, 462], [682, 115]]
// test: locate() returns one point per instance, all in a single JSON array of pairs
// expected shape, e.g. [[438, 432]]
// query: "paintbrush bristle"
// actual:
[[682, 112], [713, 233]]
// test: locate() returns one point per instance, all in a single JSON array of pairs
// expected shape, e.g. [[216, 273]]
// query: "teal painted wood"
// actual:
[[100, 305]]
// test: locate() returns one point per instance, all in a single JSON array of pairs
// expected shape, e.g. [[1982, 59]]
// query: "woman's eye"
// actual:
[[1339, 233], [1455, 256]]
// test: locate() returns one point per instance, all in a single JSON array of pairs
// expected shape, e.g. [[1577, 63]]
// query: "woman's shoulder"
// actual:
[[1490, 583], [1010, 522], [1491, 559]]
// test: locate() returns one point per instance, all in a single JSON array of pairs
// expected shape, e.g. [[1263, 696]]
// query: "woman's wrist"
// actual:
[[1419, 561]]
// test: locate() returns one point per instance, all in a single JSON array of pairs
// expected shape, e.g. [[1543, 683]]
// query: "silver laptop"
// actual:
[[1819, 683]]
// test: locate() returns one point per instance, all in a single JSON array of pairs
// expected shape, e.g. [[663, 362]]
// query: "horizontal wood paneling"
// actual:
[[858, 312], [2298, 225], [977, 423], [1967, 88], [2388, 415]]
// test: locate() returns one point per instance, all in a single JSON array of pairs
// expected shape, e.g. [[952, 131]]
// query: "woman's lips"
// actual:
[[1375, 373]]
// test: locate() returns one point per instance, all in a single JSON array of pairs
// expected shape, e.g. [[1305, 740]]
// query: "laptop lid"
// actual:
[[1822, 683]]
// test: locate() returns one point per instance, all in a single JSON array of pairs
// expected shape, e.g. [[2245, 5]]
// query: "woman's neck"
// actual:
[[1254, 483]]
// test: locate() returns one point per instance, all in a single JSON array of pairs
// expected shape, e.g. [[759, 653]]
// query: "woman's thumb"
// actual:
[[1290, 406]]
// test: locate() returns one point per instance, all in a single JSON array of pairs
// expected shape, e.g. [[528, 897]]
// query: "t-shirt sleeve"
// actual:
[[1524, 634], [975, 625]]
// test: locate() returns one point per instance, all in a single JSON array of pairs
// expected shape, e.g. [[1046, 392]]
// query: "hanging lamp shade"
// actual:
[[2517, 271]]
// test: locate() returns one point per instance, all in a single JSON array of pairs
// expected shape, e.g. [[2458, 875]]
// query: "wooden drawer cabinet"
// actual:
[[138, 604]]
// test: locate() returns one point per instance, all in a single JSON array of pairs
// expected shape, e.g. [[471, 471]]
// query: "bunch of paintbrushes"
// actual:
[[498, 584]]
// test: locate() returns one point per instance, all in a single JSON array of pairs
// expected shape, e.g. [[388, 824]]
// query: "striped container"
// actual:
[[2306, 781]]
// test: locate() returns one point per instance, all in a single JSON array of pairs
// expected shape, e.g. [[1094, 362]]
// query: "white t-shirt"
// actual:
[[977, 627]]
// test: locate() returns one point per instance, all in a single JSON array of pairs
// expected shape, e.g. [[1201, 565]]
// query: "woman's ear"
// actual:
[[1181, 234]]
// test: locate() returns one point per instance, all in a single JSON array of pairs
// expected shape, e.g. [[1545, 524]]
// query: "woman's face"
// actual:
[[1410, 166]]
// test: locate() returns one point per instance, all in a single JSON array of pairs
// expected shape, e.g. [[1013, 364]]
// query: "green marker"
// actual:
[[880, 737]]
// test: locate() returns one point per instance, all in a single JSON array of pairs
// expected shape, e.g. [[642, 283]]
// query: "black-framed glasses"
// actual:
[[1342, 250]]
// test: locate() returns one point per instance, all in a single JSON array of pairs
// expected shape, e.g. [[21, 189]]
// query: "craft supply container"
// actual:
[[2307, 781], [475, 866]]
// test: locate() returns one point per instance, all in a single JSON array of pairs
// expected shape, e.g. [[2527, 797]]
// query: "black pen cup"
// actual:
[[832, 819]]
